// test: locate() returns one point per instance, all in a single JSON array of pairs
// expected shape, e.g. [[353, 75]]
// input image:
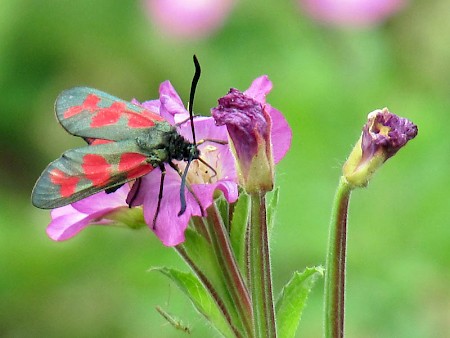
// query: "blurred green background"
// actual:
[[325, 82]]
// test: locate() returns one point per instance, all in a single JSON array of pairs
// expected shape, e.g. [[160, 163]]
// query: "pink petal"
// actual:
[[205, 192], [102, 201], [67, 222], [259, 88], [281, 134], [152, 105], [169, 226], [205, 129], [171, 103]]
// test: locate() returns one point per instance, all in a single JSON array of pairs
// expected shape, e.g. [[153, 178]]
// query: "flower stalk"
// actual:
[[232, 275], [260, 278], [382, 137], [207, 283], [334, 292]]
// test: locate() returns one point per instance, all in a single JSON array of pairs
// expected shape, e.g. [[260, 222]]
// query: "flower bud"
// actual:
[[249, 127], [382, 136]]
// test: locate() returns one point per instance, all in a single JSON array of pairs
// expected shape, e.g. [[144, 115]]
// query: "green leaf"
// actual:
[[224, 207], [203, 261], [239, 229], [271, 209], [292, 300], [201, 254], [201, 299]]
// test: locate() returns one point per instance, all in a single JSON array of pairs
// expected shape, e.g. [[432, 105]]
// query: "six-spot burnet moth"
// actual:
[[125, 142]]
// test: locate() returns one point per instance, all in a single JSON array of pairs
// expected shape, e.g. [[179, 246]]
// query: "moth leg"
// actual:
[[133, 192], [113, 189], [222, 142], [186, 120], [209, 166], [175, 167], [160, 195]]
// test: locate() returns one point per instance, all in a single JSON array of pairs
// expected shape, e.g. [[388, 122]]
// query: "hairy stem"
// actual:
[[336, 263], [259, 269], [233, 277], [214, 294]]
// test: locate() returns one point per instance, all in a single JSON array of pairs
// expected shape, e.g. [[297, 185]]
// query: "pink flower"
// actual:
[[169, 227], [113, 209], [351, 13], [188, 19], [205, 183], [98, 209], [259, 133]]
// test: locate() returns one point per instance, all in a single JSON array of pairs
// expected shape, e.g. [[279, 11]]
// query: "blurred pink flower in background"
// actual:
[[351, 13], [188, 18]]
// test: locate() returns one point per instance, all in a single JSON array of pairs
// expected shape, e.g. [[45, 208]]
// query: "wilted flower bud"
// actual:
[[382, 136], [249, 127]]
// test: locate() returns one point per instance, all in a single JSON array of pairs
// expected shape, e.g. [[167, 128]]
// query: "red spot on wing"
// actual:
[[135, 165], [96, 141], [145, 119], [67, 183], [96, 169], [89, 104], [106, 116]]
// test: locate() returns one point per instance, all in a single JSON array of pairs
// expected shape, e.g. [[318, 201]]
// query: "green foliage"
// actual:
[[292, 300], [272, 208], [239, 228], [199, 297]]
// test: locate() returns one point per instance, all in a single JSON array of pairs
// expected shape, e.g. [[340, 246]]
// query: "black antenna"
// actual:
[[195, 79]]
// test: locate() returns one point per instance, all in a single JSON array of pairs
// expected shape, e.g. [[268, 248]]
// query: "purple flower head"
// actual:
[[351, 13], [188, 19], [385, 132], [98, 209], [259, 133], [203, 182], [382, 136], [246, 120]]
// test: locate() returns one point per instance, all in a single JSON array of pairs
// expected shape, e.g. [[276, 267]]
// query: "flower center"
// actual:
[[199, 172], [381, 129]]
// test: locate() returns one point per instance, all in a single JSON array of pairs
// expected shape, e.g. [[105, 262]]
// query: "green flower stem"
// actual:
[[199, 225], [335, 263], [259, 269], [202, 277], [233, 278]]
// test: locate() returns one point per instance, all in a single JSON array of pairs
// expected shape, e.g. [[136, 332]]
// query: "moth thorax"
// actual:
[[181, 149]]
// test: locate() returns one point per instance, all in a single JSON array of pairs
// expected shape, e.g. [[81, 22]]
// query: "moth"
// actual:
[[125, 142]]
